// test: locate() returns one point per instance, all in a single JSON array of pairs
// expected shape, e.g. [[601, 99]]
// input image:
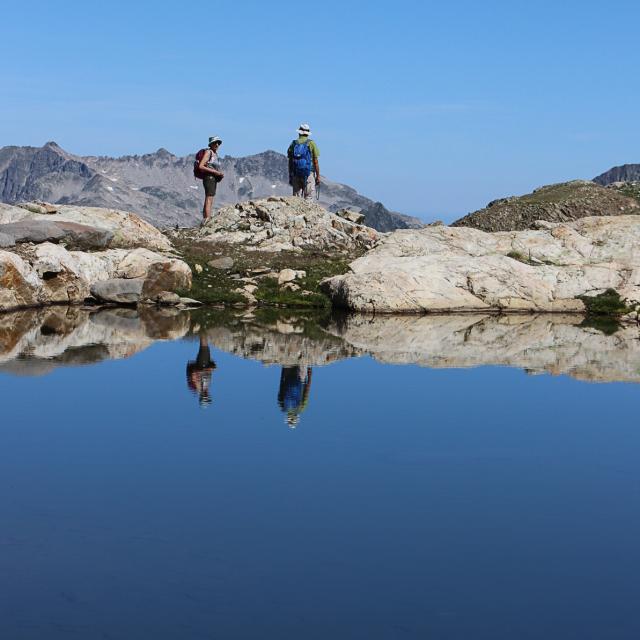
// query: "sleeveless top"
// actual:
[[214, 161]]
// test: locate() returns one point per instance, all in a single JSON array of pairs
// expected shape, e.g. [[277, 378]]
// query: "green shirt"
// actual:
[[315, 152]]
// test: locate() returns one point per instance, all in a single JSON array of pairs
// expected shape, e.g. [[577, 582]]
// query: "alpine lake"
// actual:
[[209, 474]]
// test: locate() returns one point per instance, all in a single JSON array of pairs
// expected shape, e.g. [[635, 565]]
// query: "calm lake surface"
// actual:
[[207, 476]]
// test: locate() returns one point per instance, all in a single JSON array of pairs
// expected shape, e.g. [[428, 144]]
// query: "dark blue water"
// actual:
[[408, 502]]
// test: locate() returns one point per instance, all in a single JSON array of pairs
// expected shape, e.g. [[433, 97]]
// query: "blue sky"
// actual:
[[433, 108]]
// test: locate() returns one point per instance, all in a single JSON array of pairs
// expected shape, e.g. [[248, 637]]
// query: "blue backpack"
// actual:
[[301, 164]]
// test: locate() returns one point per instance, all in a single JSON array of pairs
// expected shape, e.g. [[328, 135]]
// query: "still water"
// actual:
[[206, 476]]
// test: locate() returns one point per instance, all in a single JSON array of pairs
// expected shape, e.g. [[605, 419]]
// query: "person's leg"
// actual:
[[206, 210], [298, 187], [310, 188], [210, 184]]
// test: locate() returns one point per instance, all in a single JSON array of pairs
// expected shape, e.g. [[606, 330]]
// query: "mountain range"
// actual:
[[160, 186], [624, 173]]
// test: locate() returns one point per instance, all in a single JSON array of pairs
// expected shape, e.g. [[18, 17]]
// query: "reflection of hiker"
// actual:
[[199, 372], [295, 383], [207, 168], [304, 170]]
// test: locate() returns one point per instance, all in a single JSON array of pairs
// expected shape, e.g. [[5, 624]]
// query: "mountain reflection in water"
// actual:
[[36, 342]]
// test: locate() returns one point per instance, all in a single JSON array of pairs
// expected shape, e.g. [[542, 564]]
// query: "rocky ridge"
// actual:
[[562, 202], [160, 186]]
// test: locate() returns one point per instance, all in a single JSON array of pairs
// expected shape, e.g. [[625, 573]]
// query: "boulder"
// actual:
[[127, 229], [73, 235], [120, 290], [168, 298], [352, 216], [221, 263], [170, 275], [19, 284], [48, 273], [289, 275], [464, 269]]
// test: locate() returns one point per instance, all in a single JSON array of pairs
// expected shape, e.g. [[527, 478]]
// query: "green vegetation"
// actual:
[[559, 193], [606, 324], [218, 286], [604, 311], [520, 257], [212, 286], [608, 303]]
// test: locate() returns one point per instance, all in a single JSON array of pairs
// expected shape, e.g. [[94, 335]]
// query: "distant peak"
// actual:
[[163, 152], [53, 145]]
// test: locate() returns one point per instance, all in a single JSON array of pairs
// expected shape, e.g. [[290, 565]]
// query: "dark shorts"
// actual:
[[210, 185]]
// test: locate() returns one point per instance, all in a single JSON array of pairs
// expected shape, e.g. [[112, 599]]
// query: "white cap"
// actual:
[[304, 130]]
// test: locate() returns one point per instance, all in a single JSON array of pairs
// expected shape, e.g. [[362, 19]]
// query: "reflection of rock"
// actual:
[[541, 343], [283, 342], [34, 342]]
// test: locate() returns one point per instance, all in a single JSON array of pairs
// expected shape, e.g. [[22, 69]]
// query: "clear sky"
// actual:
[[434, 108]]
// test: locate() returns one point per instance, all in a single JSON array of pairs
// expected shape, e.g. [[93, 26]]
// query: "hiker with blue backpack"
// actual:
[[304, 170]]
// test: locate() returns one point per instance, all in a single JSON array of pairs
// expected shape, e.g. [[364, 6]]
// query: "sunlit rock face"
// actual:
[[450, 269], [555, 344], [53, 254], [284, 224], [35, 342]]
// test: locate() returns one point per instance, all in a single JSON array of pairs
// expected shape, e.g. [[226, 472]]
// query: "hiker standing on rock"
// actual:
[[304, 170], [207, 167]]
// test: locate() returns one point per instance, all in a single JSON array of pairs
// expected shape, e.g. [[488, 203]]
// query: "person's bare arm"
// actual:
[[203, 166], [316, 166]]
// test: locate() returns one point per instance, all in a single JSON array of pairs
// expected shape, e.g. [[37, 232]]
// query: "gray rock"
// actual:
[[352, 216], [167, 298], [120, 290], [75, 236], [172, 275], [221, 263], [462, 269]]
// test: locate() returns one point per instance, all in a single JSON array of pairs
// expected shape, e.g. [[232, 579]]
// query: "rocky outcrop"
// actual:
[[555, 344], [39, 265], [78, 227], [160, 186], [49, 274], [554, 203], [460, 269], [285, 224]]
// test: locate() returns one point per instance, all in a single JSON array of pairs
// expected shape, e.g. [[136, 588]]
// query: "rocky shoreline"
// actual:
[[287, 252]]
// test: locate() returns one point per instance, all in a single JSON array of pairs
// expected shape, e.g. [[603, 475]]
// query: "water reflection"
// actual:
[[293, 395], [199, 372], [36, 342]]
